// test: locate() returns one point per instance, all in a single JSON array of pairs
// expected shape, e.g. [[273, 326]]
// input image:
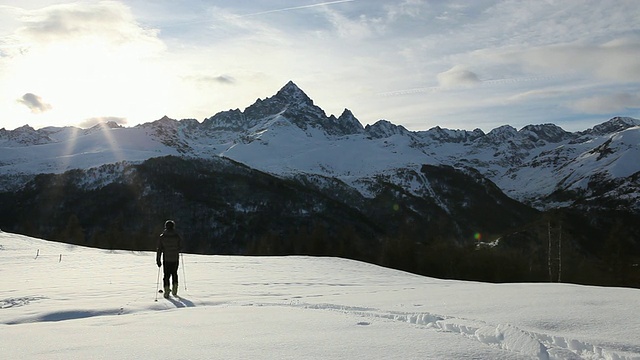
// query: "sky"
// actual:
[[417, 63], [62, 302]]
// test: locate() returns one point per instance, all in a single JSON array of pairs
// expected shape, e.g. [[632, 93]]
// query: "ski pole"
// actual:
[[157, 283], [184, 277]]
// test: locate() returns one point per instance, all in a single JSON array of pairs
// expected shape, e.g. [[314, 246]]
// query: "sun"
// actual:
[[91, 77]]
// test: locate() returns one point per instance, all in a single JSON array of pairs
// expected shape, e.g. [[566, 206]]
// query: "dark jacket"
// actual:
[[169, 244]]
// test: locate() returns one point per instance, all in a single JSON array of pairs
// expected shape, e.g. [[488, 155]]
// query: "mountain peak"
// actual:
[[346, 124], [613, 125], [166, 120], [25, 135], [291, 103], [384, 129], [546, 132], [290, 85], [106, 125], [292, 93]]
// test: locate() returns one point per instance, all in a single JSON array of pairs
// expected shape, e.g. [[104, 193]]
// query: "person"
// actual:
[[169, 245]]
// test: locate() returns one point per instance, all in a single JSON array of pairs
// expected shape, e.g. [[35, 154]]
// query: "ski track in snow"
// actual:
[[504, 336]]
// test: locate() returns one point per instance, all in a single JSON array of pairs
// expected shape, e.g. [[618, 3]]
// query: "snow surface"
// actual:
[[66, 302], [79, 149]]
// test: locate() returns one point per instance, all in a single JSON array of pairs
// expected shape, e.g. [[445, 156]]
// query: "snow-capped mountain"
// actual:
[[283, 177], [287, 134]]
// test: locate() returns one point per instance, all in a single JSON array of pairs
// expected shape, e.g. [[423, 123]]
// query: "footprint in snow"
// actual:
[[15, 302]]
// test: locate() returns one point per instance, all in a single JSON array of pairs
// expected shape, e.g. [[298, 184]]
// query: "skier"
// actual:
[[169, 244]]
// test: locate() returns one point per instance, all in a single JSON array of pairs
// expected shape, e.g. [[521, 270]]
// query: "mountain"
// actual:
[[287, 134], [284, 169]]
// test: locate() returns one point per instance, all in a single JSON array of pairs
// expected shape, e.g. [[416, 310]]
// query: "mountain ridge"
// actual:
[[291, 98], [287, 134]]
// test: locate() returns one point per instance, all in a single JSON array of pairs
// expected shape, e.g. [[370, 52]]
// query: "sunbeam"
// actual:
[[115, 148], [69, 149]]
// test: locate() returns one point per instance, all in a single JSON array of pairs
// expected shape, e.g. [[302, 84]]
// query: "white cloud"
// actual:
[[407, 8], [353, 29], [106, 19], [607, 103], [616, 60], [457, 76]]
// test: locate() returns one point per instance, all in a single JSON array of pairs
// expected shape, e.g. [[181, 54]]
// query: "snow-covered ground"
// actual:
[[66, 302]]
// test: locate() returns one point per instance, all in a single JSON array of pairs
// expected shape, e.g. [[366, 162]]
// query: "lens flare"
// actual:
[[477, 236]]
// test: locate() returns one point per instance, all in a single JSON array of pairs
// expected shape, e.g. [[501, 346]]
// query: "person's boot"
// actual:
[[175, 289], [166, 292]]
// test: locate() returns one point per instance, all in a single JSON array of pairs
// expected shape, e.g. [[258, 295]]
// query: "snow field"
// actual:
[[72, 303]]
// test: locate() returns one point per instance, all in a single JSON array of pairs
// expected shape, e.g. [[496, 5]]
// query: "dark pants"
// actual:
[[170, 271]]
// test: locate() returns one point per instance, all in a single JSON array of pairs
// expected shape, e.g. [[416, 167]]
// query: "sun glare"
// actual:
[[69, 149], [87, 78], [114, 146]]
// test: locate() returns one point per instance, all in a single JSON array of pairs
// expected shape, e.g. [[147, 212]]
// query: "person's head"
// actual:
[[169, 225]]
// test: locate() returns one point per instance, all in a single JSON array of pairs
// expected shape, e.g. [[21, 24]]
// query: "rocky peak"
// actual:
[[25, 135], [293, 104], [167, 131], [345, 124], [24, 129], [549, 133], [503, 132], [112, 125], [613, 125], [499, 136], [104, 125], [451, 136], [292, 94], [290, 100], [384, 129], [227, 120]]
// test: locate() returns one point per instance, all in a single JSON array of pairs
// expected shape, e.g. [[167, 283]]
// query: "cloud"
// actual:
[[108, 20], [356, 29], [88, 58], [220, 79], [457, 76], [407, 8], [537, 94], [607, 103], [34, 103], [615, 60]]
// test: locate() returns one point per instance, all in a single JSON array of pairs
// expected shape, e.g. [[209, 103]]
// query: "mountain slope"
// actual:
[[226, 207]]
